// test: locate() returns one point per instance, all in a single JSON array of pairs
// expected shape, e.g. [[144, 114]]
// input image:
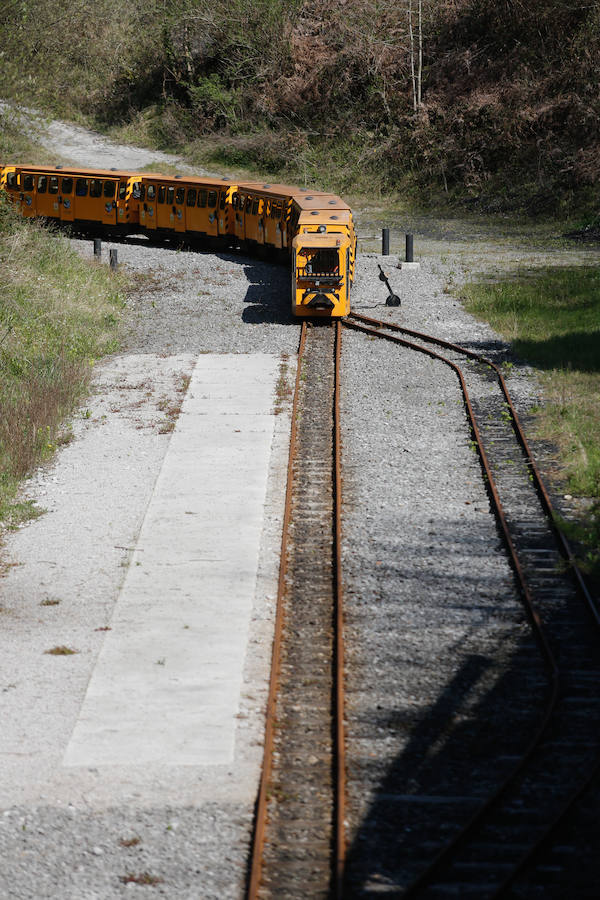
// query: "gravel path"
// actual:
[[407, 540]]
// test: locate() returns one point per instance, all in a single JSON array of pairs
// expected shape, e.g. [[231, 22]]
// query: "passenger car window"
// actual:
[[212, 199], [42, 184], [161, 193], [109, 189], [223, 199], [28, 182], [191, 197], [255, 207], [11, 181], [95, 187], [122, 190], [53, 185], [67, 185], [180, 196], [202, 197], [170, 195], [151, 192], [81, 187]]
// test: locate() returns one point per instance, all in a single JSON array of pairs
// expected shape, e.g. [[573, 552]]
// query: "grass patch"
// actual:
[[58, 314], [553, 321]]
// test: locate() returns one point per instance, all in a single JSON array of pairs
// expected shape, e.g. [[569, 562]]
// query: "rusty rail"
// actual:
[[261, 803], [338, 850], [446, 852]]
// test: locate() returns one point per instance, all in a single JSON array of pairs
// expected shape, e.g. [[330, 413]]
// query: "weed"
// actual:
[[61, 651], [140, 878], [130, 842]]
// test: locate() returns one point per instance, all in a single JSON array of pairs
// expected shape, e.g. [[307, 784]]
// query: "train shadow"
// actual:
[[268, 297]]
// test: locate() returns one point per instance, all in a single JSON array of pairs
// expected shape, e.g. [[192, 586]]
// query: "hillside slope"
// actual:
[[494, 101]]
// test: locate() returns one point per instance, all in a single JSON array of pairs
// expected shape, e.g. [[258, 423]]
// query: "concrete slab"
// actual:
[[167, 682]]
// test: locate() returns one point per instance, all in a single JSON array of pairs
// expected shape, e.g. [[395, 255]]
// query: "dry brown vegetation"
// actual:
[[508, 105]]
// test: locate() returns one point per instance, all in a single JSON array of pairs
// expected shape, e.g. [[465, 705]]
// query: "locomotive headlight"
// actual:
[[321, 229]]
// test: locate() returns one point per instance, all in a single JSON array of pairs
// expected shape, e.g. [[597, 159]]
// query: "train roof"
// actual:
[[76, 171], [267, 189], [195, 180]]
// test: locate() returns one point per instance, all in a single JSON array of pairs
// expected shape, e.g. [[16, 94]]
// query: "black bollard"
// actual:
[[113, 260], [385, 241], [409, 248], [97, 248]]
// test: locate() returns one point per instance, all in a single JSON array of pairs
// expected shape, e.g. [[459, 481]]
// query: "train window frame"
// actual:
[[95, 188], [81, 187], [42, 184], [202, 196], [28, 182], [162, 190], [108, 191], [235, 200], [212, 200], [192, 194], [53, 184], [66, 185], [223, 199], [139, 193], [12, 181], [180, 196], [151, 193], [255, 203], [248, 205], [122, 190], [170, 195]]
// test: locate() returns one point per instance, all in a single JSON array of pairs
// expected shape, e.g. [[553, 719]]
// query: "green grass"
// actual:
[[553, 322], [58, 314]]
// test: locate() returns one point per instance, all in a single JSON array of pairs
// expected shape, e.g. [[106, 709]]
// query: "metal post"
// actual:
[[97, 248], [385, 241], [409, 248], [113, 260]]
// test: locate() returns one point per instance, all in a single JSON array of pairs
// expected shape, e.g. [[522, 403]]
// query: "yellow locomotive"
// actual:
[[313, 229]]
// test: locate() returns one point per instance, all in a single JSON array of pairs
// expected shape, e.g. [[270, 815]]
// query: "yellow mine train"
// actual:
[[315, 230]]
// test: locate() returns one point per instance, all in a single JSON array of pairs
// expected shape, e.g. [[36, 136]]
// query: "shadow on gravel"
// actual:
[[455, 754], [268, 294]]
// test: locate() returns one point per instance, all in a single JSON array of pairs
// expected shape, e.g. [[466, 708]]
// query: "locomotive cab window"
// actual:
[[323, 262], [136, 193], [161, 193], [67, 186], [170, 195], [109, 189], [28, 182], [212, 199], [12, 181], [151, 192], [179, 196], [122, 190], [42, 184], [255, 207], [202, 197], [223, 200], [81, 187], [53, 185], [95, 187], [191, 197]]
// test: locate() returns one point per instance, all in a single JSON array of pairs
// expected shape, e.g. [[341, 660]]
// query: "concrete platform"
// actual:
[[166, 687]]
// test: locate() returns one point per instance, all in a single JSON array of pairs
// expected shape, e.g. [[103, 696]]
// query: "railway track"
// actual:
[[298, 848], [503, 847]]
